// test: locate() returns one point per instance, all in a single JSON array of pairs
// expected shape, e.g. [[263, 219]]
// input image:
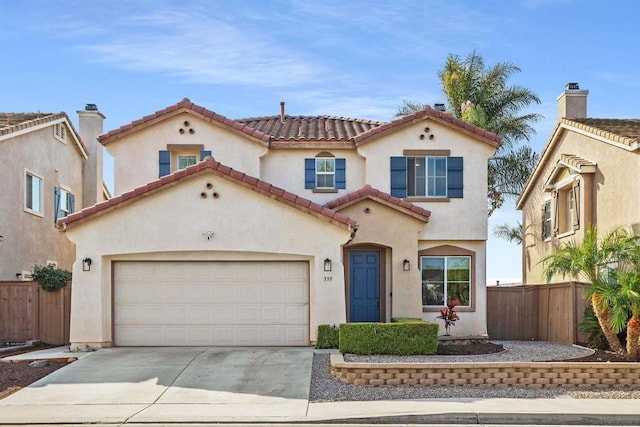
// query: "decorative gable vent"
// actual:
[[60, 132]]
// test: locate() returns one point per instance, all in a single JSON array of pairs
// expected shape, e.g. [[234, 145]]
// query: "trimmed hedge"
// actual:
[[401, 339], [327, 336], [407, 320]]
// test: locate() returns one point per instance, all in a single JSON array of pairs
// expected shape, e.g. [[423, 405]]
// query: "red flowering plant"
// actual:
[[449, 315]]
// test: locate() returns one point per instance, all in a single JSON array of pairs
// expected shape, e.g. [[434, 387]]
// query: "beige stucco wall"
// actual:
[[615, 197], [380, 228], [169, 225], [30, 239], [463, 219], [473, 321], [285, 168], [136, 155]]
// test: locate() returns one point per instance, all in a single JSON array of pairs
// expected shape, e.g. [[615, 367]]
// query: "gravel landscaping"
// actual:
[[326, 388]]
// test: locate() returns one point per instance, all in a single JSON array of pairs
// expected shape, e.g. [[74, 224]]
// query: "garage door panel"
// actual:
[[211, 303]]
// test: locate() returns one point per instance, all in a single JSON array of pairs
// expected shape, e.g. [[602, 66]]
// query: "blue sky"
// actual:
[[346, 58]]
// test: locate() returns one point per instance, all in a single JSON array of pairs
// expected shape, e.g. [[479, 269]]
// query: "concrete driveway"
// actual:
[[158, 384]]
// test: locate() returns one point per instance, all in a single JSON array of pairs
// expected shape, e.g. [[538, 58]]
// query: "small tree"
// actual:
[[449, 315]]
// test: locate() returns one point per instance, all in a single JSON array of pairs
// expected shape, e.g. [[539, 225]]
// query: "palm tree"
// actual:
[[481, 96], [509, 233], [588, 260]]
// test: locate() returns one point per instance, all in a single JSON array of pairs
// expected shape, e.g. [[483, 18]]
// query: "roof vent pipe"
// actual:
[[282, 111]]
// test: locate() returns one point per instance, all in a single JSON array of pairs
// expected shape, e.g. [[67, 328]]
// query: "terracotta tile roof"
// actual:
[[182, 106], [624, 131], [440, 116], [12, 122], [212, 166], [310, 128], [578, 163], [369, 192]]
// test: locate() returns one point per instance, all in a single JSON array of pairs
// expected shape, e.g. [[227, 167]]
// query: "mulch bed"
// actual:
[[17, 375]]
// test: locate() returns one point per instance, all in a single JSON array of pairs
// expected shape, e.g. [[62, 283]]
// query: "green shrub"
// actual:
[[402, 339], [407, 320], [51, 278], [327, 336]]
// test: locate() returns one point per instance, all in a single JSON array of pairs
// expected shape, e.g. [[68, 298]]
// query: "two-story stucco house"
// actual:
[[586, 175], [256, 231], [48, 171]]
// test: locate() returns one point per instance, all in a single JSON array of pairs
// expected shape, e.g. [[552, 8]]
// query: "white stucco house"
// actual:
[[256, 231]]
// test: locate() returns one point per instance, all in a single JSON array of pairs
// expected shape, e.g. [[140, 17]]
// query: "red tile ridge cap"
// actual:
[[369, 191], [232, 174], [187, 105], [491, 137]]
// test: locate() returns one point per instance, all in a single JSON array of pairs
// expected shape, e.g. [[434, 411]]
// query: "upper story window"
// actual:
[[437, 176], [546, 220], [567, 212], [179, 157], [33, 194], [325, 173], [64, 203], [426, 176], [186, 160]]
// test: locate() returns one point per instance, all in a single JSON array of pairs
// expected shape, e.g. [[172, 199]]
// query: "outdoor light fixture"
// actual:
[[86, 264], [327, 265], [406, 265]]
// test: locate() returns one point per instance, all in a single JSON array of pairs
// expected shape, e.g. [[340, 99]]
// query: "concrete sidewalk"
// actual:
[[218, 385]]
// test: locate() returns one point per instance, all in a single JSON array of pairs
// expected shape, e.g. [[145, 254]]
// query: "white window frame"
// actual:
[[446, 281], [430, 176], [31, 210], [60, 132], [188, 158], [325, 173], [64, 201]]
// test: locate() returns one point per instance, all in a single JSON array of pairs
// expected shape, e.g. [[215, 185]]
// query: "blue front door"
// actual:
[[364, 286]]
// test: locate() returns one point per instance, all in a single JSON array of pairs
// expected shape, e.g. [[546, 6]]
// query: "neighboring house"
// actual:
[[256, 231], [48, 171], [587, 175]]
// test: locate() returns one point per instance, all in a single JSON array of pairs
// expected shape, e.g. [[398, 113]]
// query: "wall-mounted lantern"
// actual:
[[406, 265], [86, 264], [327, 265]]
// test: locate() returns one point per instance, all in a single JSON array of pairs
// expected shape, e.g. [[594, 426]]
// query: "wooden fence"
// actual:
[[549, 312], [29, 313]]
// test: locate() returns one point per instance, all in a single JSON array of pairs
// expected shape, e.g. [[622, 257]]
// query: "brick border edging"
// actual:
[[488, 374]]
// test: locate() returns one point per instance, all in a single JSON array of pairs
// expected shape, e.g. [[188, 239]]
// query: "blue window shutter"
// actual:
[[341, 176], [57, 213], [72, 203], [310, 173], [204, 154], [454, 177], [399, 177], [164, 163]]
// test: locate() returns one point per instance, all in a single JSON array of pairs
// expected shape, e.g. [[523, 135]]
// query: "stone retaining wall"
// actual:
[[488, 374]]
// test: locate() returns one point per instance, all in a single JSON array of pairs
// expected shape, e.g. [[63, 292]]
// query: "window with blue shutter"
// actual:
[[454, 177], [399, 177], [64, 203], [164, 163], [426, 177], [325, 173]]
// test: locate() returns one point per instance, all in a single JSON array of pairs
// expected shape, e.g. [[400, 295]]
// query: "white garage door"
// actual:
[[211, 303]]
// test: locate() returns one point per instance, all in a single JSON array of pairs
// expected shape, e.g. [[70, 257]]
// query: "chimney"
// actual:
[[572, 103], [91, 125], [281, 111]]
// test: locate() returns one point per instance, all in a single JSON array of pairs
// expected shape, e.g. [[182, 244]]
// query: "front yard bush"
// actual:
[[402, 339], [327, 336]]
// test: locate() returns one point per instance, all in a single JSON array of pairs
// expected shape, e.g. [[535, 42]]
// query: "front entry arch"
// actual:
[[364, 286]]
